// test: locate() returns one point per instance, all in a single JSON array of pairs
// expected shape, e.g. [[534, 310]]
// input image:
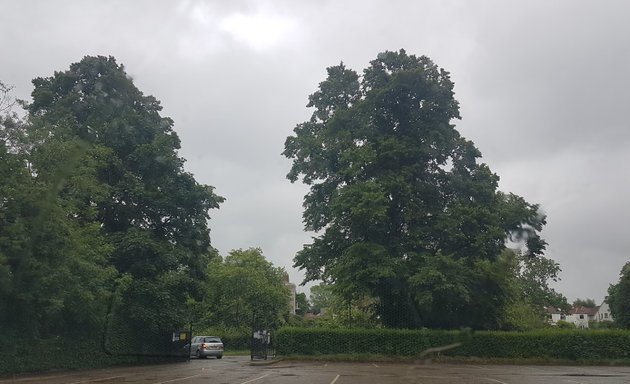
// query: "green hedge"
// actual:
[[553, 344], [549, 344], [19, 355], [42, 355], [318, 341]]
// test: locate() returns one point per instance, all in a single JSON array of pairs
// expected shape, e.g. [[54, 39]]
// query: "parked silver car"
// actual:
[[204, 346]]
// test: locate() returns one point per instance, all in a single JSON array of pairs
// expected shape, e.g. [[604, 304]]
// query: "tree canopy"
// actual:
[[96, 203], [404, 211]]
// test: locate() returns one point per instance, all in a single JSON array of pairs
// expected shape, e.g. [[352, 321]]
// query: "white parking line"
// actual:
[[252, 380], [375, 365], [97, 380], [495, 380], [335, 379], [174, 380]]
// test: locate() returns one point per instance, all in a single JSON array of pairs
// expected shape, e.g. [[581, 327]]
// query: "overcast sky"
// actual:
[[544, 88]]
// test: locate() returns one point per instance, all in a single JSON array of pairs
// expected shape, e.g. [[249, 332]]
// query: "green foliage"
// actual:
[[533, 275], [522, 316], [302, 304], [561, 324], [587, 303], [244, 291], [342, 309], [530, 291], [405, 212], [602, 325], [551, 344], [322, 297], [54, 276], [619, 298]]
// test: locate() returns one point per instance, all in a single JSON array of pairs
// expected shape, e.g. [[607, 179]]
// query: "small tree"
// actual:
[[245, 290]]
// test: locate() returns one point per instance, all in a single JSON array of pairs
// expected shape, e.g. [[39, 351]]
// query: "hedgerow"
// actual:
[[550, 344]]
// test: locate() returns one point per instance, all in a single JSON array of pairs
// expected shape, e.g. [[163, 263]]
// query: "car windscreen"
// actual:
[[212, 340]]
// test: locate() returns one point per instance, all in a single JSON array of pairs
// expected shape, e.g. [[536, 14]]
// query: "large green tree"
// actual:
[[619, 298], [245, 291], [109, 193], [53, 268], [404, 211]]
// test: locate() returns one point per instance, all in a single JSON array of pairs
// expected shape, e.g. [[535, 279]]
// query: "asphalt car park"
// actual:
[[238, 370]]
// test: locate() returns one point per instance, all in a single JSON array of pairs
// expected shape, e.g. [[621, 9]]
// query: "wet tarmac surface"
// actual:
[[238, 370]]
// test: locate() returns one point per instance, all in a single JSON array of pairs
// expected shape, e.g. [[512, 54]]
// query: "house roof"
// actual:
[[552, 310], [583, 311]]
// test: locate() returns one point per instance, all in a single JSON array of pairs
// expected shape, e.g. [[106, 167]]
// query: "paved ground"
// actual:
[[237, 370]]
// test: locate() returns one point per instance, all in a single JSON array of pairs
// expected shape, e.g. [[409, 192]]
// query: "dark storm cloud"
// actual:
[[543, 88]]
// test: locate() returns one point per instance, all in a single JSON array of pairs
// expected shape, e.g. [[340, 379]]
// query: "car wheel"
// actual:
[[220, 357]]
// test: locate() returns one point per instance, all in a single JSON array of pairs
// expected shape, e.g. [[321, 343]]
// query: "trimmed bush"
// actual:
[[548, 344], [316, 341], [56, 353], [554, 344], [19, 354]]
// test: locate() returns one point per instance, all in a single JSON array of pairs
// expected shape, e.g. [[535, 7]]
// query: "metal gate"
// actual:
[[261, 345]]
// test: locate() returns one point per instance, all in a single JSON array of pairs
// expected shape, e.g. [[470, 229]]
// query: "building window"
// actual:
[[581, 317], [606, 315]]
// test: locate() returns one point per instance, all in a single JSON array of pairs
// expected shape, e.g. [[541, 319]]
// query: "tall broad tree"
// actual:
[[113, 161], [404, 210], [619, 298]]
